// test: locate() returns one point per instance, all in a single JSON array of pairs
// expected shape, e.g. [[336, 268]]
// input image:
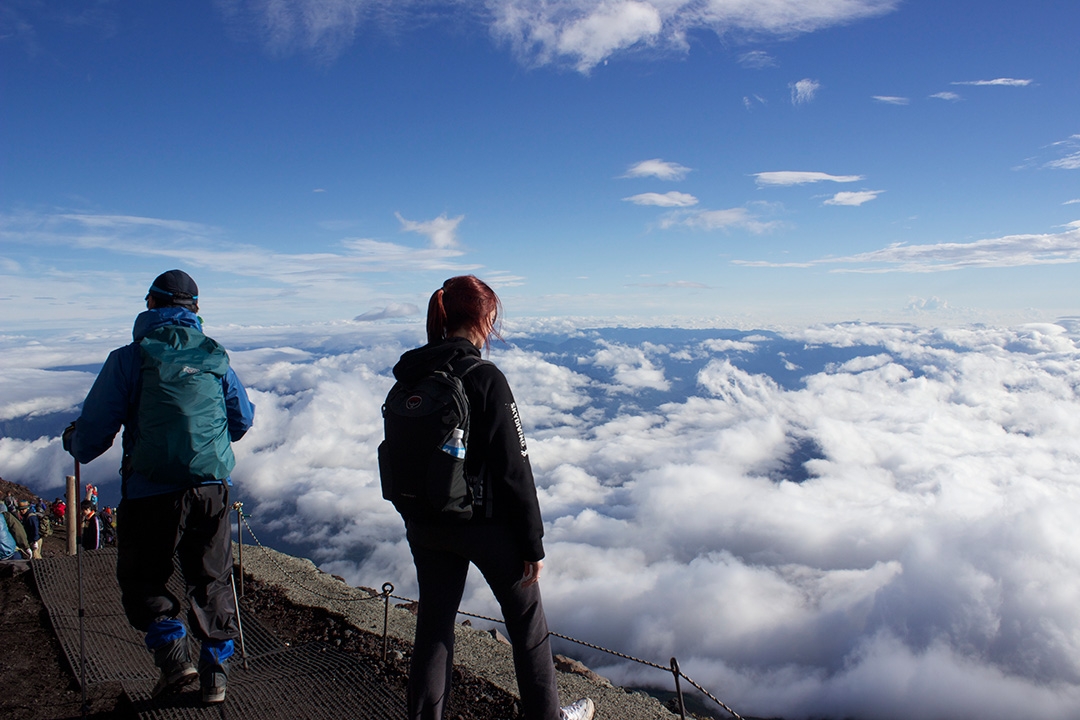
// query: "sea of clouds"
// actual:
[[862, 521]]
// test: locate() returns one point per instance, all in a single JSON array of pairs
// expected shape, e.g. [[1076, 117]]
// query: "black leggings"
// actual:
[[442, 554]]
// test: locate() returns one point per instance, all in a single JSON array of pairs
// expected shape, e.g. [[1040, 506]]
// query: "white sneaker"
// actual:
[[583, 709]]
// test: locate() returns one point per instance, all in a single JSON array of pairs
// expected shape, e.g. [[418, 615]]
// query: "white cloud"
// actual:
[[393, 310], [582, 33], [657, 168], [922, 305], [631, 368], [680, 284], [803, 91], [1069, 162], [203, 246], [751, 101], [323, 28], [548, 32], [442, 231], [853, 199], [717, 220], [239, 281], [892, 99], [1069, 149], [946, 96], [1071, 202], [608, 28], [501, 279], [669, 199], [724, 346], [1000, 82], [1008, 251], [929, 562], [792, 177], [550, 394], [757, 59]]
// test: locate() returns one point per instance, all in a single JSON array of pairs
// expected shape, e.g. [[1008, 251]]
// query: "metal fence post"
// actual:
[[387, 588], [678, 688], [72, 515]]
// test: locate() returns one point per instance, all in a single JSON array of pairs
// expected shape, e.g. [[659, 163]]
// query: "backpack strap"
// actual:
[[462, 366]]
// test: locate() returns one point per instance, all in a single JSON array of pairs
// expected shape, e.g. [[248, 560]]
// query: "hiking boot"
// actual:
[[214, 669], [176, 669], [213, 686], [583, 709]]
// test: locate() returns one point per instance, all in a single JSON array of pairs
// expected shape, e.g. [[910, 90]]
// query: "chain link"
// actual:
[[292, 577]]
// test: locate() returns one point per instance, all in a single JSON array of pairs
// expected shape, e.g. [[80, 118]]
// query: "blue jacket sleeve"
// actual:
[[238, 409], [106, 405]]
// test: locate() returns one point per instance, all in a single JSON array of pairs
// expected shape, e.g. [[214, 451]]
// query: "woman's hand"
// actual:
[[532, 572]]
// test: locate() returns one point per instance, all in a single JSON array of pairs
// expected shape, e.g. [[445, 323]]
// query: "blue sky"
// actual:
[[720, 166], [737, 163]]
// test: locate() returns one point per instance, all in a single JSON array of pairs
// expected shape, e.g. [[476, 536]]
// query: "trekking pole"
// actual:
[[239, 625], [239, 507], [82, 612]]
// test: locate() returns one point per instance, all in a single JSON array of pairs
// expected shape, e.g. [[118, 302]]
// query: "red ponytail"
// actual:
[[463, 302], [436, 317]]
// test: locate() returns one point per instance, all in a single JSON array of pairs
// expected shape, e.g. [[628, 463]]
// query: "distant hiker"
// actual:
[[108, 526], [502, 535], [59, 509], [9, 550], [18, 533], [44, 516], [91, 493], [91, 526], [31, 523], [180, 405]]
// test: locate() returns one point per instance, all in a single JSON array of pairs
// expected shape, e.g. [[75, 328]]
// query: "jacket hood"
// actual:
[[423, 360], [159, 317]]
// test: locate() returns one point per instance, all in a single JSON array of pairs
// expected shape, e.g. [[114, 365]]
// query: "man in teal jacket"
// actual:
[[180, 405]]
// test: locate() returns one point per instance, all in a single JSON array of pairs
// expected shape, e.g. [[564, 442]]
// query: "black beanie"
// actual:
[[175, 287]]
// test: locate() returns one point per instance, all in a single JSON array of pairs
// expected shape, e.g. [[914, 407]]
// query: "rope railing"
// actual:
[[292, 576], [388, 593]]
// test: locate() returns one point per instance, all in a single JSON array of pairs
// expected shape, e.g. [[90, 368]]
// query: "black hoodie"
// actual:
[[497, 451]]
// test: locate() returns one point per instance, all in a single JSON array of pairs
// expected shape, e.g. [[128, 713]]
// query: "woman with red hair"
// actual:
[[503, 536]]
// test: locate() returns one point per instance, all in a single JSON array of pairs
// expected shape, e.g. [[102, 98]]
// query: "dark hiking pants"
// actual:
[[193, 525], [442, 554]]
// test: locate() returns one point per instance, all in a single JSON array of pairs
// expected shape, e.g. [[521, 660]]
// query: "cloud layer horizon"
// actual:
[[856, 520]]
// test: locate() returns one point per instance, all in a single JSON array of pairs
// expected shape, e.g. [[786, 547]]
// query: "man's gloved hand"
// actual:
[[66, 437]]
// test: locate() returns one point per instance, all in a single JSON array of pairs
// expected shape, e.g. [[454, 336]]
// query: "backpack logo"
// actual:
[[414, 402], [188, 370]]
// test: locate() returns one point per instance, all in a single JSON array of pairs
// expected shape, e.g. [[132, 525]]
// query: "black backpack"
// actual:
[[424, 481]]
